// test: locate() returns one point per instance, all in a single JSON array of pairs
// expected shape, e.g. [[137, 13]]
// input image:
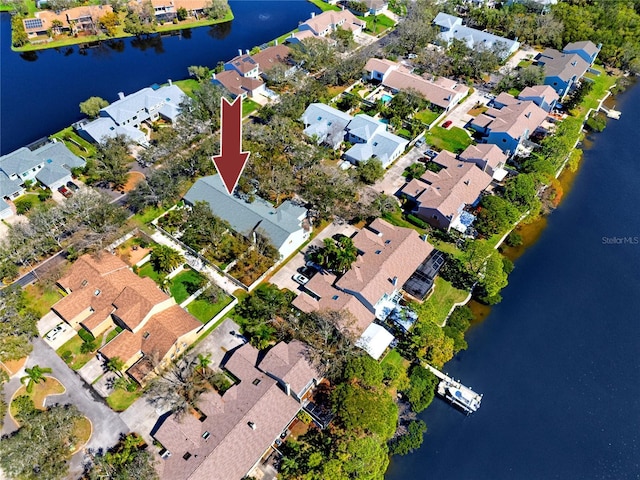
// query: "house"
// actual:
[[451, 28], [441, 92], [260, 64], [72, 20], [587, 50], [371, 140], [230, 434], [563, 70], [328, 22], [440, 198], [49, 164], [102, 292], [387, 257], [488, 158], [167, 10], [375, 340], [326, 124], [374, 7], [129, 112], [286, 226], [238, 85], [510, 125], [542, 95], [330, 126]]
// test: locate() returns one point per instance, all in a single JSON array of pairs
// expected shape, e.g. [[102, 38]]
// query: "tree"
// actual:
[[359, 7], [422, 385], [182, 14], [17, 325], [109, 21], [370, 171], [111, 163], [495, 215], [522, 191], [202, 74], [127, 460], [34, 375], [40, 448], [410, 441], [216, 9], [92, 106], [337, 255], [115, 365], [313, 54], [203, 362], [165, 259]]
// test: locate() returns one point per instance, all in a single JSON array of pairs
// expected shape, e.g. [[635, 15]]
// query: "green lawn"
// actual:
[[324, 6], [75, 143], [112, 334], [514, 92], [396, 218], [249, 106], [149, 214], [601, 83], [120, 399], [30, 198], [147, 271], [205, 311], [426, 116], [377, 24], [41, 300], [188, 85], [454, 139], [179, 283], [443, 298], [78, 359], [394, 358]]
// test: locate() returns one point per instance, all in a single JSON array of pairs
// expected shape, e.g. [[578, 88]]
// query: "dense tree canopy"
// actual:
[[91, 106]]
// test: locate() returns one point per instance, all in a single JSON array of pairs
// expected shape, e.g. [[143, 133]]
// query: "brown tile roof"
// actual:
[[272, 56], [231, 446], [244, 63], [321, 22], [487, 152], [48, 16], [135, 302], [440, 93], [155, 339], [381, 65], [236, 84], [291, 363], [512, 119], [447, 191], [388, 252], [506, 99], [543, 91], [190, 5]]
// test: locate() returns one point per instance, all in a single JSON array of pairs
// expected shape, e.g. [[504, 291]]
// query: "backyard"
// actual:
[[454, 139], [426, 116], [377, 24], [186, 283], [204, 310], [443, 298]]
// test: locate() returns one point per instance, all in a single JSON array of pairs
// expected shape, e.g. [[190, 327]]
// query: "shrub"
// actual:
[[410, 441], [514, 239], [44, 195], [85, 335], [416, 221], [88, 347], [23, 205]]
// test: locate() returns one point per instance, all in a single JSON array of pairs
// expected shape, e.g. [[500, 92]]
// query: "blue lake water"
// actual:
[[40, 91], [558, 359]]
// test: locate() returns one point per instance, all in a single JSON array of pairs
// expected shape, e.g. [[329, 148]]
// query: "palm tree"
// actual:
[[165, 259], [34, 375], [115, 365], [203, 362]]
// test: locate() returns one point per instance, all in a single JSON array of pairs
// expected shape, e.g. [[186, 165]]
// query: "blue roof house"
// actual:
[[371, 140], [326, 124], [286, 226]]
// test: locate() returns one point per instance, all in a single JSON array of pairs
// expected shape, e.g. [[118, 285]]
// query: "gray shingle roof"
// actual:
[[4, 206], [381, 146], [276, 223], [51, 174], [104, 127], [141, 102], [59, 154], [562, 65], [7, 186], [447, 21], [19, 161], [325, 122], [365, 127]]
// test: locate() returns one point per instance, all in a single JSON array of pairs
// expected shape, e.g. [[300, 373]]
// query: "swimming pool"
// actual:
[[386, 98]]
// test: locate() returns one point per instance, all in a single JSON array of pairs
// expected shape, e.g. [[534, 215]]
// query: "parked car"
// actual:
[[73, 186], [314, 265], [301, 279], [447, 124], [420, 142], [65, 191], [54, 332], [431, 154]]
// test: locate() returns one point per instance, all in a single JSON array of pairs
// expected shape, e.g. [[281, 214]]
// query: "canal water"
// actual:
[[558, 360], [40, 91]]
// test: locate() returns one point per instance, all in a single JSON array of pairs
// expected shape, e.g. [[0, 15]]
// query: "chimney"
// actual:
[[239, 52], [394, 281], [313, 14], [213, 76], [252, 425], [170, 82], [275, 42], [247, 52], [121, 95]]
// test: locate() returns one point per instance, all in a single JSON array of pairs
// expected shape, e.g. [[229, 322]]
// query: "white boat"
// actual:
[[460, 396]]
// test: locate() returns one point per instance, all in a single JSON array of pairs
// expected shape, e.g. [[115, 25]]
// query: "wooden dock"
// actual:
[[455, 392]]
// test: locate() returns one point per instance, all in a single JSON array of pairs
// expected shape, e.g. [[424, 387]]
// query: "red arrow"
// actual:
[[232, 160]]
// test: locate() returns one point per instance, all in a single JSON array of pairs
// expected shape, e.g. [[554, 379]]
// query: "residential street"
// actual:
[[106, 424]]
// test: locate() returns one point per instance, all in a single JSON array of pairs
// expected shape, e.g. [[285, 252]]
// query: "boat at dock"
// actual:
[[455, 392]]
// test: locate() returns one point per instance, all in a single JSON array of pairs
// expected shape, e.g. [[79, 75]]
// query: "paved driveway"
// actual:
[[459, 115], [283, 277], [51, 320], [393, 179]]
